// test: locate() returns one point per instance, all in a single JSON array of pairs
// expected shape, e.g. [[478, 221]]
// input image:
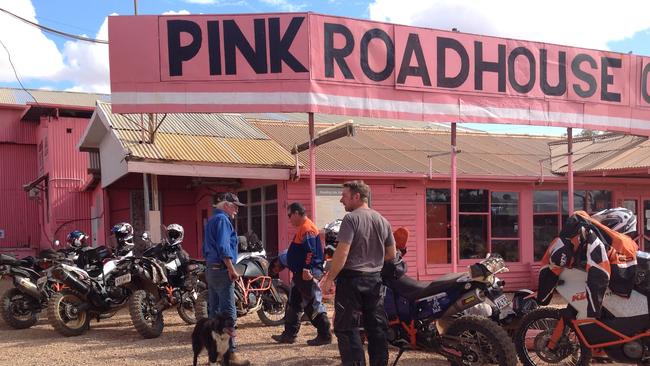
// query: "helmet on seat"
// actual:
[[77, 239], [123, 232], [175, 233], [619, 219]]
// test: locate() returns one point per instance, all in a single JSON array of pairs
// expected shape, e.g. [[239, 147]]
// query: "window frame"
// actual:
[[263, 214]]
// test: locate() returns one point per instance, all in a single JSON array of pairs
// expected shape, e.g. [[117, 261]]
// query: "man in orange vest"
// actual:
[[305, 261]]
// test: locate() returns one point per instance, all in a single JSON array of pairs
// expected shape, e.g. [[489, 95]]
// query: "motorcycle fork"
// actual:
[[557, 334]]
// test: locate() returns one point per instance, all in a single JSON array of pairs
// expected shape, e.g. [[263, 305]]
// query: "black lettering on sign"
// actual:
[[234, 39], [177, 52], [644, 83], [444, 44], [607, 79], [390, 55], [413, 47], [214, 47], [339, 54], [547, 89], [279, 45], [583, 75], [482, 66], [512, 71]]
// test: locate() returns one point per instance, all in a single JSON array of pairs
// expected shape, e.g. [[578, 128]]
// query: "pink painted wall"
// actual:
[[69, 206], [18, 166]]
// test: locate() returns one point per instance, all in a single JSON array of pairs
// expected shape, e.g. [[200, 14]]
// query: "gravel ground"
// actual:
[[115, 341]]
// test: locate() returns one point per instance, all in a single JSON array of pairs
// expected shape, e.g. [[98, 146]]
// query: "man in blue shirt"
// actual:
[[220, 253]]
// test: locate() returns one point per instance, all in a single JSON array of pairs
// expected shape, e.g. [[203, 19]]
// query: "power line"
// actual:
[[55, 31], [16, 72]]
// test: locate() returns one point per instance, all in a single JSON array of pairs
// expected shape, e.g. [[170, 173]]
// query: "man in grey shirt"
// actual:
[[365, 243]]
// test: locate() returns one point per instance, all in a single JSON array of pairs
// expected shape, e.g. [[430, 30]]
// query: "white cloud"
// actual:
[[285, 5], [586, 24], [26, 44], [180, 12]]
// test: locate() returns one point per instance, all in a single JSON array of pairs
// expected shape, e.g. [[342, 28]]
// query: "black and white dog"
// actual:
[[213, 334]]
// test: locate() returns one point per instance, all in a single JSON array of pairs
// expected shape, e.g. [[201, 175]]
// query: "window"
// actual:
[[260, 215], [487, 222], [550, 211]]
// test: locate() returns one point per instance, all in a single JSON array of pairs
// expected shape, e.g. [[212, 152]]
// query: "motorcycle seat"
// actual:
[[9, 260], [414, 290]]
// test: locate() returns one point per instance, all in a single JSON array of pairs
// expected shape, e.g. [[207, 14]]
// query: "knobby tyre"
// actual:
[[18, 310], [147, 320], [64, 315], [487, 342], [272, 312]]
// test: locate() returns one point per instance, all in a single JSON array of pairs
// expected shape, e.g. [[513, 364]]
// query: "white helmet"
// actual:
[[175, 233], [619, 219]]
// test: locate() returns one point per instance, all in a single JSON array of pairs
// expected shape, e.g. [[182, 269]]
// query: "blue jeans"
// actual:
[[221, 296]]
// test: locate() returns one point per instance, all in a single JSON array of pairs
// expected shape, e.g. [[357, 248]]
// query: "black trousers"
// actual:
[[359, 302], [305, 296]]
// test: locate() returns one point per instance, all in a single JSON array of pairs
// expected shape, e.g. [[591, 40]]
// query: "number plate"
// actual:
[[123, 279], [41, 281], [502, 301]]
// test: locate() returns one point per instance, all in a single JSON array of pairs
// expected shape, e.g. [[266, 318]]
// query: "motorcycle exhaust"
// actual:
[[26, 286], [74, 283], [466, 301]]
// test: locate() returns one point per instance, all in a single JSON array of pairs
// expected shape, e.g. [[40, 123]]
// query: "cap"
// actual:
[[230, 197]]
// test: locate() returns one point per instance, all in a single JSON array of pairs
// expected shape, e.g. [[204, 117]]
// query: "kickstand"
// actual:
[[399, 354]]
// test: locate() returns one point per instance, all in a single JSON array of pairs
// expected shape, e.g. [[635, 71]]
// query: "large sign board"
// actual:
[[305, 62]]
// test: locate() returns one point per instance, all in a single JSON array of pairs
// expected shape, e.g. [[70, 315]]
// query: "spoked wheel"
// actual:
[[66, 314], [532, 338], [186, 307], [19, 311], [272, 311], [481, 342], [148, 321]]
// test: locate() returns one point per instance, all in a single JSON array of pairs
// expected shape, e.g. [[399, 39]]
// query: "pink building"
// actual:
[[512, 189]]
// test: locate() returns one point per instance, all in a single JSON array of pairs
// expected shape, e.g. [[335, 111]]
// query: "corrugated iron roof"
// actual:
[[377, 149], [602, 153], [364, 121], [52, 97], [199, 138]]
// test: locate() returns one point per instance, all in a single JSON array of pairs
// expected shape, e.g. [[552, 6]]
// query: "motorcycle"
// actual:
[[567, 336], [255, 290], [424, 316], [102, 287], [183, 277], [33, 286]]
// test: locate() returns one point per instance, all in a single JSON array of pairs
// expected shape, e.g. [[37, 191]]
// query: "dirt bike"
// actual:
[[567, 336], [424, 316], [255, 290], [33, 286], [100, 289], [183, 278]]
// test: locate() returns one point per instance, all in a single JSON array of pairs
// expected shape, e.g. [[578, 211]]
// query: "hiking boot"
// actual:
[[320, 340], [283, 338], [235, 360]]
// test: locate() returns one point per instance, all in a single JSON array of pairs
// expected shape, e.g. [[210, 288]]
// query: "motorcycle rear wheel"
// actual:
[[272, 313], [535, 329], [15, 315], [64, 315], [148, 321], [187, 307], [494, 345]]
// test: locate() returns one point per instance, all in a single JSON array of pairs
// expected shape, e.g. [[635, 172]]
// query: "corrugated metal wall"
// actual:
[[68, 170], [12, 130], [18, 214]]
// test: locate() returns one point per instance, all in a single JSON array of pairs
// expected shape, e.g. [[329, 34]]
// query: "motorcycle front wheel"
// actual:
[[532, 337], [19, 311], [66, 314], [147, 320], [187, 307], [482, 342], [272, 311]]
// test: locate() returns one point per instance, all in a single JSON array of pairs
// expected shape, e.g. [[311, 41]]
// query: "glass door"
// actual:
[[632, 204]]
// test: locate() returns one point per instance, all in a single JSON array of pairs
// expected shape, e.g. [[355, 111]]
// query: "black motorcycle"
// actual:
[[100, 289], [33, 286], [184, 278], [255, 290]]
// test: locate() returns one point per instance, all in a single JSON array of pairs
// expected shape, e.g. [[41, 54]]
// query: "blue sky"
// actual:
[[43, 60]]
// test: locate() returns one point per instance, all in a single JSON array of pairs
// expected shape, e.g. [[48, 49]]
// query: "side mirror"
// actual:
[[57, 243]]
